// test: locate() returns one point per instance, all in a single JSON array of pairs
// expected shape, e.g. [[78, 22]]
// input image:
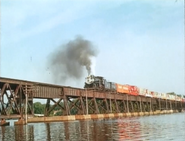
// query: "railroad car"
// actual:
[[148, 93], [112, 86], [142, 91], [163, 96], [158, 95], [133, 90], [126, 89], [168, 97], [183, 99], [172, 95], [155, 94], [178, 98], [119, 88]]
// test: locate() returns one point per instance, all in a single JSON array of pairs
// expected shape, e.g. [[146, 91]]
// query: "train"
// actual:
[[101, 84]]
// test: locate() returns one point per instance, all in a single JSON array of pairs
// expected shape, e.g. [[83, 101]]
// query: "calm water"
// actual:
[[156, 128]]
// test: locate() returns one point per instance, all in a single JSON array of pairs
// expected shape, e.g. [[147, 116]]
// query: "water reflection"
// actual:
[[17, 133], [161, 127], [129, 129], [79, 130]]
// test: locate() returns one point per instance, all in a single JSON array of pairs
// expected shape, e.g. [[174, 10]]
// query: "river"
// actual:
[[155, 128]]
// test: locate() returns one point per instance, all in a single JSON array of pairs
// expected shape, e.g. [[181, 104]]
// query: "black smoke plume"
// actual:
[[71, 59]]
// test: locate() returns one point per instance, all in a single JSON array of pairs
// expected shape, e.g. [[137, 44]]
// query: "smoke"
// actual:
[[71, 59], [93, 65]]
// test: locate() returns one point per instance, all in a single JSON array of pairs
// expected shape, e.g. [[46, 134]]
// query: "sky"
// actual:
[[139, 42]]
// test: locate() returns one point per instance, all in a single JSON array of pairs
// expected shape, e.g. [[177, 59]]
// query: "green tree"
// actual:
[[39, 108]]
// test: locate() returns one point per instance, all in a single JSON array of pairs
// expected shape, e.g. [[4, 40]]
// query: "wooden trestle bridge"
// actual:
[[16, 100]]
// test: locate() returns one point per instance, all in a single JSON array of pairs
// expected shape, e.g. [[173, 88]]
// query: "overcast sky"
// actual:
[[139, 42]]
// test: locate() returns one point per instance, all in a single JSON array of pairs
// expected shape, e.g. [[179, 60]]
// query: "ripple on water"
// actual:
[[158, 128]]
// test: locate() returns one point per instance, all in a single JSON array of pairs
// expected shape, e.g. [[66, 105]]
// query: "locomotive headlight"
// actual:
[[89, 79]]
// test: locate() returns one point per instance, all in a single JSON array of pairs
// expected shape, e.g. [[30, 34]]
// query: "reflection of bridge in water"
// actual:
[[16, 101], [124, 128], [89, 130]]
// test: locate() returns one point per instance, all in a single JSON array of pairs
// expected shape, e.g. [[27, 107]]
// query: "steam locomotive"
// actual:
[[98, 82]]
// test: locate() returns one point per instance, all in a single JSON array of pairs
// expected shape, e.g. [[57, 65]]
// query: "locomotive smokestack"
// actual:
[[71, 58]]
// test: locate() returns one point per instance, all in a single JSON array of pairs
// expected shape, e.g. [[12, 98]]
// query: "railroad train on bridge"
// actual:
[[101, 84]]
